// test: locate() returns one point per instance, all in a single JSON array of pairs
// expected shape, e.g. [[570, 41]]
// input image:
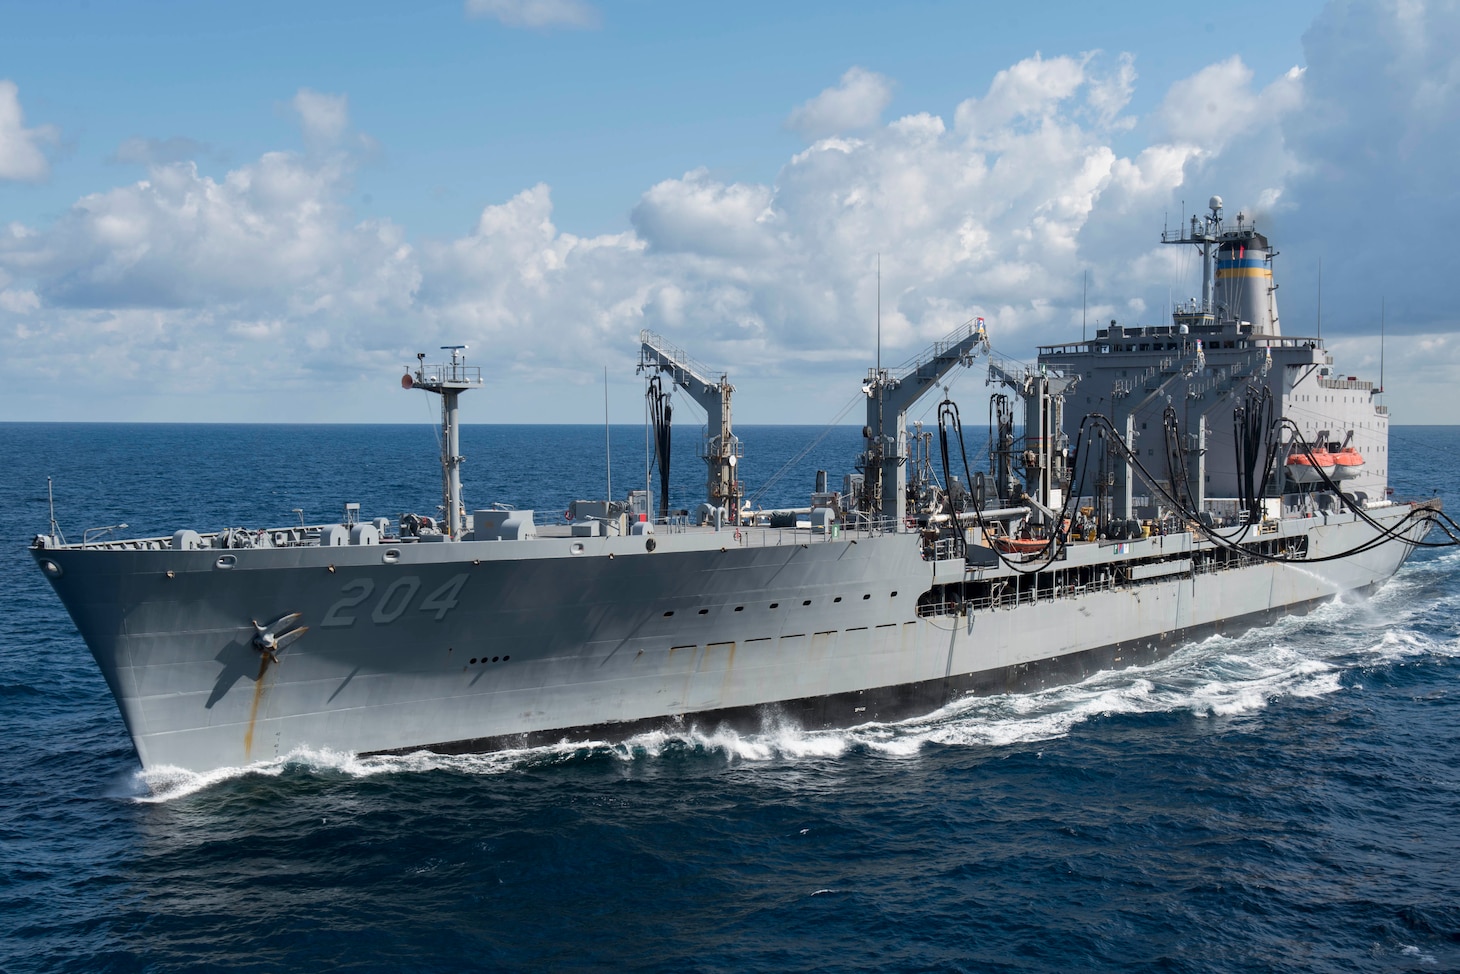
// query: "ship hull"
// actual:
[[469, 646], [892, 703]]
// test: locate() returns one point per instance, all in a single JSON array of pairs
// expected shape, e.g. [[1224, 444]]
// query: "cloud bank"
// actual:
[[263, 273]]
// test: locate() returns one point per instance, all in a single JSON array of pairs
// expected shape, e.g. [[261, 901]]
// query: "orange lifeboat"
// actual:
[[1308, 467], [1347, 464], [1021, 546]]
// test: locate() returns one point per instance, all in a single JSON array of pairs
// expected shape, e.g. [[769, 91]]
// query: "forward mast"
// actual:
[[449, 380]]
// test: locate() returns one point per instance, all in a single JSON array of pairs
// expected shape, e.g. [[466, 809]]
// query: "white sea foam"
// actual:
[[166, 783], [779, 740], [1409, 950]]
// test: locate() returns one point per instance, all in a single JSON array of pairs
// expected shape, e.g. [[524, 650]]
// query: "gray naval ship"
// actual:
[[1137, 489]]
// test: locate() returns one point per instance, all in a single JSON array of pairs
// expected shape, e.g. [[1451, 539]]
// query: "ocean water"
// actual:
[[1285, 799]]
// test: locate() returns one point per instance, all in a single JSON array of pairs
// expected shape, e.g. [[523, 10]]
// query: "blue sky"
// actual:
[[215, 212]]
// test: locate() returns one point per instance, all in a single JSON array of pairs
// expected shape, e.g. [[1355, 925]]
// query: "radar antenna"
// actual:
[[449, 380]]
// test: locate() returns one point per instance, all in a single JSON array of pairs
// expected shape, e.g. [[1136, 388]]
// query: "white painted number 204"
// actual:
[[393, 600]]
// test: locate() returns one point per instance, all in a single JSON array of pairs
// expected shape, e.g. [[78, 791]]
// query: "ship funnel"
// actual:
[[1242, 297], [1245, 294]]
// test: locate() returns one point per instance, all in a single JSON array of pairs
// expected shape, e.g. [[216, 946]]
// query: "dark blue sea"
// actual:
[[1287, 799]]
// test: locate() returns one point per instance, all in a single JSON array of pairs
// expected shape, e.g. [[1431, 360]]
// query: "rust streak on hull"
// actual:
[[253, 710]]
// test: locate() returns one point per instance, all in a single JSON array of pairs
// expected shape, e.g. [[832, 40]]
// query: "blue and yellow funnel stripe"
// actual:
[[1243, 267]]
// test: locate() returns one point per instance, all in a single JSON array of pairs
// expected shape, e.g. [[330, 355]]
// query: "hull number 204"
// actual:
[[392, 602]]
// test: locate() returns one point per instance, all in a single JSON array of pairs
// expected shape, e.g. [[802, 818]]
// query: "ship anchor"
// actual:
[[270, 640]]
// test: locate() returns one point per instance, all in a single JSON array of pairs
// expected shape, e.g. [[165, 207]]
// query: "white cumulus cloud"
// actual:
[[1029, 92], [697, 215], [1219, 103], [21, 156], [1109, 95], [857, 102]]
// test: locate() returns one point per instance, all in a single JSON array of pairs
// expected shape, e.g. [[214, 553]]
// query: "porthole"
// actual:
[[894, 595], [669, 613], [704, 612], [775, 605], [740, 608], [807, 602], [473, 661], [505, 658], [494, 659], [837, 599], [867, 596]]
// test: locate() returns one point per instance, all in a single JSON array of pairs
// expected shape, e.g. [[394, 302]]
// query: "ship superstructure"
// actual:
[[1164, 482], [1196, 387]]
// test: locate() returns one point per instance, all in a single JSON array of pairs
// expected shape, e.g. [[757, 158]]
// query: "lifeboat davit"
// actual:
[[1308, 467], [1347, 464]]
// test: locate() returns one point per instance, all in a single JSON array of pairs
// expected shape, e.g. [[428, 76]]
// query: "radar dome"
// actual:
[[1215, 202]]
